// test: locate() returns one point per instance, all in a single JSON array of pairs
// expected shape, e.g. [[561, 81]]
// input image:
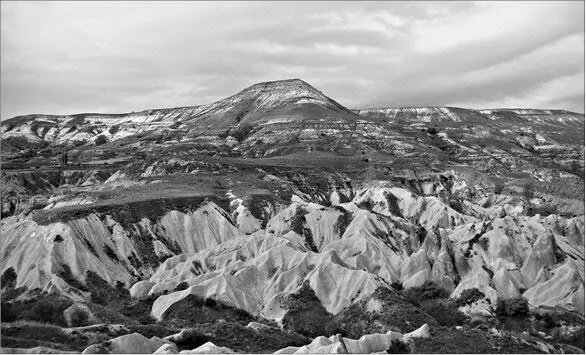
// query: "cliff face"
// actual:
[[279, 191]]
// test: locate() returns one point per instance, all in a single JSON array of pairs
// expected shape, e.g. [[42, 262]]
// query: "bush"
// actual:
[[305, 313], [8, 278], [548, 321], [242, 132], [457, 205], [114, 129], [110, 253], [469, 296], [513, 307], [544, 210], [395, 313], [445, 312], [366, 204], [398, 347], [77, 317], [101, 139], [101, 292], [48, 309], [397, 286], [483, 242], [223, 135], [182, 286], [428, 291], [393, 202], [190, 339]]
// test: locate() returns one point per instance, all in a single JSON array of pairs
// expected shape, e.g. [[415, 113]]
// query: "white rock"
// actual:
[[167, 349], [208, 348], [141, 289], [134, 343], [421, 332]]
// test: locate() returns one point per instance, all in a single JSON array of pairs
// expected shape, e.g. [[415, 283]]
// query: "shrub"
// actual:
[[548, 321], [210, 302], [102, 292], [483, 242], [306, 315], [544, 210], [114, 129], [499, 186], [397, 286], [182, 286], [393, 202], [469, 296], [428, 291], [69, 278], [366, 204], [444, 311], [110, 252], [101, 139], [7, 313], [8, 278], [78, 317], [190, 339], [457, 205], [528, 190], [242, 132], [513, 307], [223, 135], [398, 347], [44, 308]]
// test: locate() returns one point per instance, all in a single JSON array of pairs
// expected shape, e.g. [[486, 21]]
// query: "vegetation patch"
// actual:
[[393, 203], [444, 311], [194, 309], [238, 337], [8, 278], [446, 340], [305, 313], [392, 312], [256, 204], [298, 226], [469, 296], [44, 308], [343, 221], [127, 212], [512, 307], [428, 291], [67, 276]]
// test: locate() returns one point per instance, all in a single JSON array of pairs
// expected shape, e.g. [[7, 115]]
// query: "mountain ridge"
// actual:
[[275, 84], [277, 205]]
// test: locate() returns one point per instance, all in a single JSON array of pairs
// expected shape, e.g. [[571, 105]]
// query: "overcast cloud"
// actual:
[[71, 57]]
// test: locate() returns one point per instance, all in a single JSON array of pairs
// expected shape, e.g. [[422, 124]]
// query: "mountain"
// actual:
[[263, 103], [276, 218], [457, 114]]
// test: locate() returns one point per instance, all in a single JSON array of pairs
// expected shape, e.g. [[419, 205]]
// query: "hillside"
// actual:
[[276, 219]]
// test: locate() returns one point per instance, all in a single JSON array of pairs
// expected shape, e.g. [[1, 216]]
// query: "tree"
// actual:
[[242, 132], [101, 139]]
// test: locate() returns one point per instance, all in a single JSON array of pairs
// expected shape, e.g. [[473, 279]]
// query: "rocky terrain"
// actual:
[[277, 220]]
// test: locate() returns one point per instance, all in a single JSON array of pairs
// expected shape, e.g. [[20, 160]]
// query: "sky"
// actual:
[[108, 57]]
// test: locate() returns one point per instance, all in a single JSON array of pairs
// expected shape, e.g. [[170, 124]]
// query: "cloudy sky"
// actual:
[[71, 57]]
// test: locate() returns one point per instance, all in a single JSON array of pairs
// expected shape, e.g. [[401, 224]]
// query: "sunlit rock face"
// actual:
[[345, 253]]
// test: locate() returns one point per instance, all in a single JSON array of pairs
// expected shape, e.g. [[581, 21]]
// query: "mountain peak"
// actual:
[[272, 94], [288, 86]]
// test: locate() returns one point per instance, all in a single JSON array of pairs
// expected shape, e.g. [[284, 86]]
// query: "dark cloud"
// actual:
[[68, 57]]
